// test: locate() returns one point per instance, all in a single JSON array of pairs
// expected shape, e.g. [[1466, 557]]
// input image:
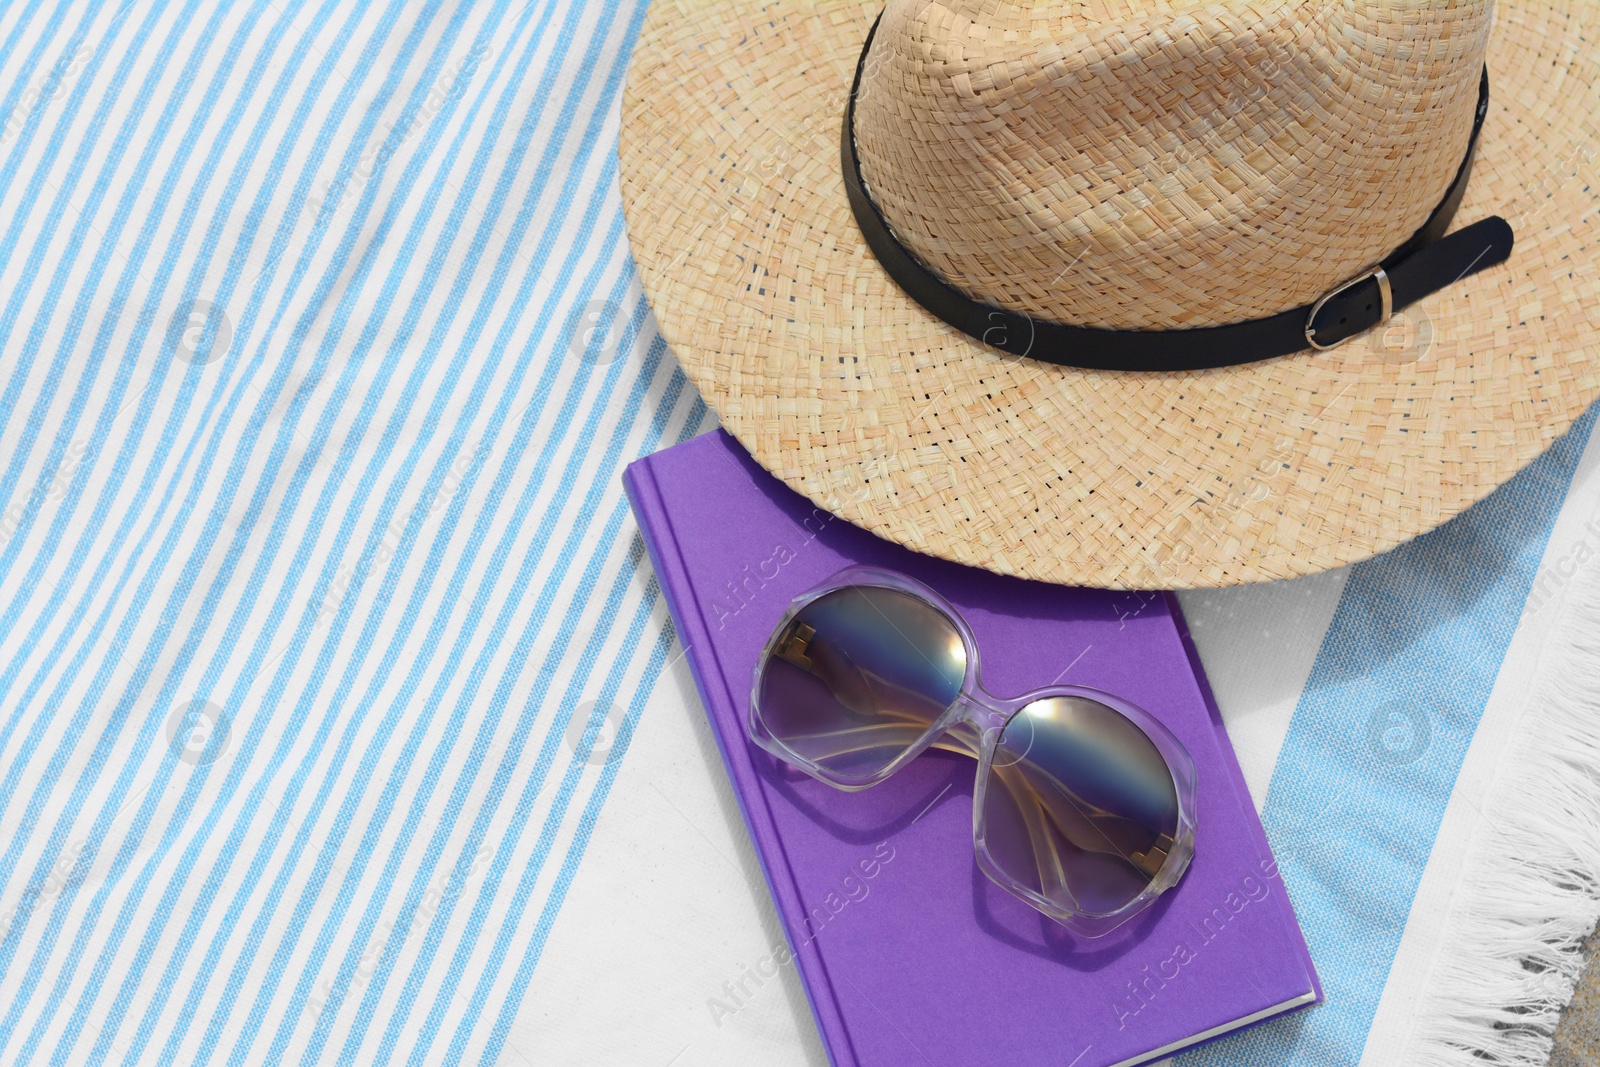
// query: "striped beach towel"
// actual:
[[321, 359], [342, 720]]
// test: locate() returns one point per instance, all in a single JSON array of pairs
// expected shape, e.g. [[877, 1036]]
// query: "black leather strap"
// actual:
[[1425, 264]]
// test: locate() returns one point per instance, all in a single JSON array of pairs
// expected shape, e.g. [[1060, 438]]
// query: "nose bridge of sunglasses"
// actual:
[[974, 718], [981, 712]]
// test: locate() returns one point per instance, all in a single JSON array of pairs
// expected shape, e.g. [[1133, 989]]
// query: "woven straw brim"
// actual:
[[861, 400]]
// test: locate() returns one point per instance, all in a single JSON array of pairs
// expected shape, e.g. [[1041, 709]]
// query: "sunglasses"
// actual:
[[1084, 803]]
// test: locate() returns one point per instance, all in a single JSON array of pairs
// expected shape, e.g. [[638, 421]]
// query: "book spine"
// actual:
[[723, 699]]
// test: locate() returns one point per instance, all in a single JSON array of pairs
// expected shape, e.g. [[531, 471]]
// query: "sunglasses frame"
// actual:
[[972, 725]]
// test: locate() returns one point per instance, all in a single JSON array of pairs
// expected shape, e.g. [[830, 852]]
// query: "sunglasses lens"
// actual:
[[858, 675], [1080, 806]]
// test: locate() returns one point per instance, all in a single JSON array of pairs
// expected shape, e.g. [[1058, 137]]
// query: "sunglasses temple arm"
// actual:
[[1045, 856], [961, 738], [832, 745]]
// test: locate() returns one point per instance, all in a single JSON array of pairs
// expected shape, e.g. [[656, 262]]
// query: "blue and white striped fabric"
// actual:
[[1374, 749], [320, 605], [327, 643]]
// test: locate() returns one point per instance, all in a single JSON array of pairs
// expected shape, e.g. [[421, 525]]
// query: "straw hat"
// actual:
[[1125, 180]]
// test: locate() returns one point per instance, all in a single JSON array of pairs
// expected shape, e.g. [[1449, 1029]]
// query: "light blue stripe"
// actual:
[[521, 897], [125, 854], [209, 679], [569, 865], [1425, 629], [7, 619], [29, 67], [32, 424], [258, 793], [263, 638], [180, 566], [337, 625], [490, 715], [148, 660], [391, 565], [494, 711], [130, 620], [534, 553], [492, 496], [101, 345], [28, 348], [128, 456], [532, 713], [76, 95], [376, 983], [43, 1017], [125, 458], [282, 600]]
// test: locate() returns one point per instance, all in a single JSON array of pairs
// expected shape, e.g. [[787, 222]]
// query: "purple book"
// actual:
[[908, 953]]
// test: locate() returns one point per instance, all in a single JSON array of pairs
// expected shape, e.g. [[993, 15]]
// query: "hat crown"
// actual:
[[1164, 164]]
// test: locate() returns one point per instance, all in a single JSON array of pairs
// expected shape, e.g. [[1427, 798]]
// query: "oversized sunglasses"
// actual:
[[1084, 803]]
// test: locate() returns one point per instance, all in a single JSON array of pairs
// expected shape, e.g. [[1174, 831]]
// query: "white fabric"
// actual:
[[1472, 846]]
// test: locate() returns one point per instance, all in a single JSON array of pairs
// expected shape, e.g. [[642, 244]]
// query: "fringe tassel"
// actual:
[[1520, 923]]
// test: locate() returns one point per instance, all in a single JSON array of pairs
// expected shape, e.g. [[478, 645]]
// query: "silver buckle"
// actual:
[[1375, 274]]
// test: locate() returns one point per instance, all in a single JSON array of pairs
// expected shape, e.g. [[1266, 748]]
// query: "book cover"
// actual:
[[907, 952]]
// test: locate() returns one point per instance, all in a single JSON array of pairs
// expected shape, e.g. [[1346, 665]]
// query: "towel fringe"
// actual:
[[1514, 950]]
